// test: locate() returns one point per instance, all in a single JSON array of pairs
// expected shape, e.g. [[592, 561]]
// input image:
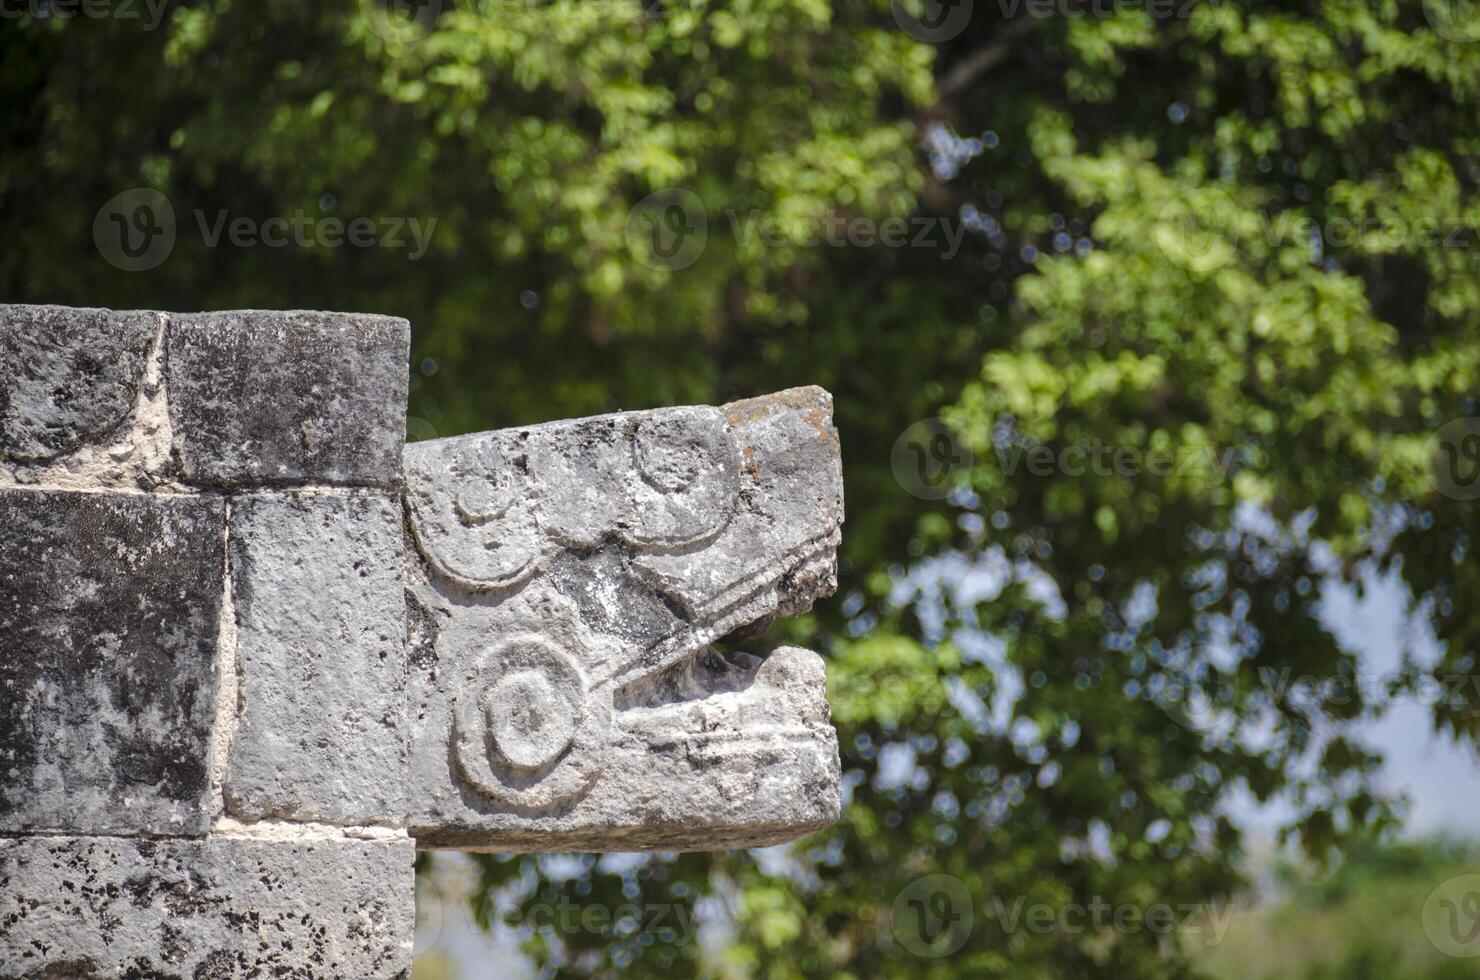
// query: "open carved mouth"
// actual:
[[566, 586]]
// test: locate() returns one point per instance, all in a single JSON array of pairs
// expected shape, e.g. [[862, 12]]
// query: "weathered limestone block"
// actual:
[[68, 377], [279, 398], [571, 577], [321, 640], [213, 909], [109, 608]]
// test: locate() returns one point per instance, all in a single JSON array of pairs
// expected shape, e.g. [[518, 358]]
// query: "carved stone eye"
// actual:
[[481, 502], [675, 450], [529, 721], [486, 490], [689, 471], [527, 727], [470, 512]]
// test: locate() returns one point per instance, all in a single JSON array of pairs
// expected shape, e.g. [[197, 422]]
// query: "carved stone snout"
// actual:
[[567, 581]]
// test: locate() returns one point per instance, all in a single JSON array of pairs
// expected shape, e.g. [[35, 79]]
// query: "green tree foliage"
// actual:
[[1217, 290]]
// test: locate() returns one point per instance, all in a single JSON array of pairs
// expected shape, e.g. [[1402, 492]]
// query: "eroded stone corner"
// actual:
[[81, 398]]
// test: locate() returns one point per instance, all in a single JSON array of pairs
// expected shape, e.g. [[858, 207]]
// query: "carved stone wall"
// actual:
[[252, 656]]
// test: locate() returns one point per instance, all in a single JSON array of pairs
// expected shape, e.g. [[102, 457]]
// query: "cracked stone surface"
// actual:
[[566, 582], [214, 909], [321, 640], [279, 398], [108, 626], [68, 377]]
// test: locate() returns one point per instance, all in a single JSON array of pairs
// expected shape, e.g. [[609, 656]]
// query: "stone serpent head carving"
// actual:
[[253, 656], [566, 585]]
